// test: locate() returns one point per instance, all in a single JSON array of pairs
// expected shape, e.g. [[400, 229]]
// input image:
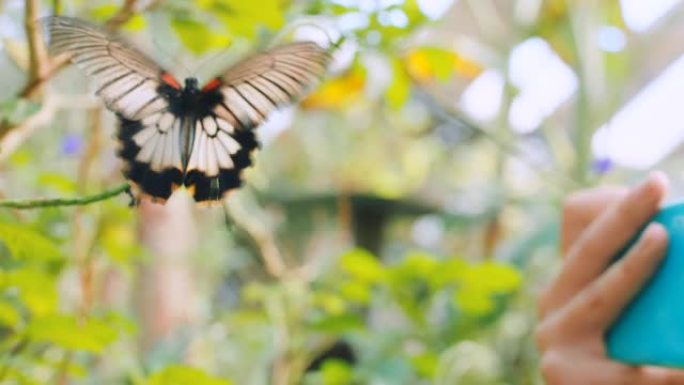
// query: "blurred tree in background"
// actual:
[[395, 229]]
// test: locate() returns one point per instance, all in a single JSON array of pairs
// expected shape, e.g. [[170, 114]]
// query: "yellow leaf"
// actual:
[[337, 92], [398, 91], [362, 265], [474, 302], [184, 375], [425, 64], [491, 277], [246, 17]]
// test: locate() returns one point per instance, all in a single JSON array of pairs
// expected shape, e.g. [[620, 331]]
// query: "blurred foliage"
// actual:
[[383, 237]]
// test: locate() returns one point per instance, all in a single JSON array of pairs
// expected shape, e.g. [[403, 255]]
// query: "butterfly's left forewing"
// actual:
[[239, 101], [139, 92]]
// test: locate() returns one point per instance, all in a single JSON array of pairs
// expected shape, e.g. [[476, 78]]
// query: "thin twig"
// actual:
[[122, 16], [38, 57], [56, 202]]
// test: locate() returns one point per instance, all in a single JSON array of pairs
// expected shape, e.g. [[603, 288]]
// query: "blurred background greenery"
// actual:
[[397, 225]]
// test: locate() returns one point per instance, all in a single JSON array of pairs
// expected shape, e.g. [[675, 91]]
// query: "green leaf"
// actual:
[[66, 332], [24, 243], [399, 90], [492, 277], [196, 36], [35, 288], [184, 375], [104, 11], [441, 62], [356, 291], [330, 303], [57, 181], [119, 241], [9, 316], [244, 18], [338, 323], [425, 364], [474, 302], [15, 111], [363, 266], [336, 372]]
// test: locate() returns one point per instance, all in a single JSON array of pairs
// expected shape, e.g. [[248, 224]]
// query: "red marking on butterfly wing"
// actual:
[[212, 85], [170, 80]]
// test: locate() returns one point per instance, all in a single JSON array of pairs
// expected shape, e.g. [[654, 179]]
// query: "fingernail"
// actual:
[[655, 185], [655, 235]]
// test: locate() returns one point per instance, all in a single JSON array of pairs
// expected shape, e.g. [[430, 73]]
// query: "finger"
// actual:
[[582, 208], [651, 375], [597, 307], [572, 367], [604, 238]]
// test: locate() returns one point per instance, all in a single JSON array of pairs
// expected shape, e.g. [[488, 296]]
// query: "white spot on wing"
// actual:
[[202, 151], [144, 135], [228, 142], [145, 154], [212, 163], [222, 156], [151, 120], [224, 125], [210, 126], [165, 122]]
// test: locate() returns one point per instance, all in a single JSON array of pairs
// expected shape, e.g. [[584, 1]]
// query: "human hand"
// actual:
[[589, 294]]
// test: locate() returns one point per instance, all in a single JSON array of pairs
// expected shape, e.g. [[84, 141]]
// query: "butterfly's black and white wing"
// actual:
[[239, 101], [138, 91]]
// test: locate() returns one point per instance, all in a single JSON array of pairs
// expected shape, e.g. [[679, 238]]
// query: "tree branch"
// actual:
[[38, 57], [56, 202], [42, 68]]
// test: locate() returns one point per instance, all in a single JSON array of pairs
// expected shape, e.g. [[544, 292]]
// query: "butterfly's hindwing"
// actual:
[[150, 149], [219, 154]]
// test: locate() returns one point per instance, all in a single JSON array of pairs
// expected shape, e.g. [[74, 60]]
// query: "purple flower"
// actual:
[[602, 165], [72, 144]]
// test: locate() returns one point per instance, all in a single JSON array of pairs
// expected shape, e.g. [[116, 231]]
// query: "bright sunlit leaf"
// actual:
[[427, 63], [336, 372], [492, 277], [24, 243], [197, 36], [9, 316], [338, 92], [362, 265], [184, 375], [35, 289], [244, 18], [399, 89], [474, 302], [69, 333]]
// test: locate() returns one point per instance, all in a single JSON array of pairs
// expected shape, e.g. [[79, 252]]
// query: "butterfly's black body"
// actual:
[[172, 135]]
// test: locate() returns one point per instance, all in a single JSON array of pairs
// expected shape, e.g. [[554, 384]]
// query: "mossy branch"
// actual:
[[56, 202]]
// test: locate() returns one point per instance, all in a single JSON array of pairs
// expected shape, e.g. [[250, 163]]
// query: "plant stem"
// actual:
[[56, 202]]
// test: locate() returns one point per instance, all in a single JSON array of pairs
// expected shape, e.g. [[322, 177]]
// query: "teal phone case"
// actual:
[[651, 328]]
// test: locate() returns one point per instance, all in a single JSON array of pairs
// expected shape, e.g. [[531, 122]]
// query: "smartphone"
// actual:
[[651, 328]]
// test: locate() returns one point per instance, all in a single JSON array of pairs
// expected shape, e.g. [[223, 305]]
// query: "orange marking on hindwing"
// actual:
[[170, 80], [212, 85]]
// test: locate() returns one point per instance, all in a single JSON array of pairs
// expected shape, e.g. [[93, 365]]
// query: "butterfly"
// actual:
[[172, 135]]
